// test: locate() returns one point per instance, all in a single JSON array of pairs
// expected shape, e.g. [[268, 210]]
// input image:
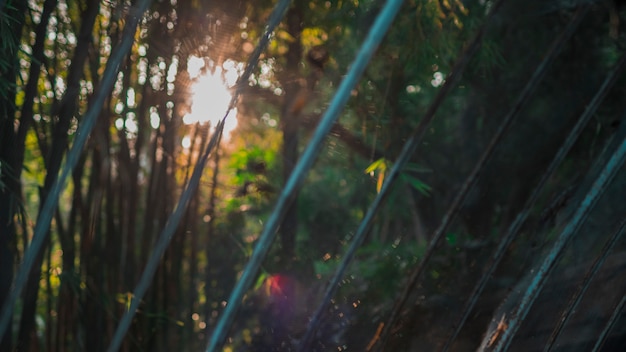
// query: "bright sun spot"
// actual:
[[211, 94]]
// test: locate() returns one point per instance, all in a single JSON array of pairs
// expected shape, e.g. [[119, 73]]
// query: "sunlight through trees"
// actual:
[[503, 115]]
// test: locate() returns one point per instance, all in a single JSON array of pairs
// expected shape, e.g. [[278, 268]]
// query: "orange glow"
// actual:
[[274, 285]]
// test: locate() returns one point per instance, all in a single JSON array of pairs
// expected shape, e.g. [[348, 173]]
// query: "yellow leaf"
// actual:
[[379, 183], [376, 165]]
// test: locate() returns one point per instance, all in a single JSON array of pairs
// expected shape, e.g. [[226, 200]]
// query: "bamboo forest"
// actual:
[[312, 175]]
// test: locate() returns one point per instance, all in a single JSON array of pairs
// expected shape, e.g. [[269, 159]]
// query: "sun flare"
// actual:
[[211, 94]]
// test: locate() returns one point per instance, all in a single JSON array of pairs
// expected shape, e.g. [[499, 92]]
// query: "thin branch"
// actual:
[[580, 292], [617, 313], [352, 141], [265, 94]]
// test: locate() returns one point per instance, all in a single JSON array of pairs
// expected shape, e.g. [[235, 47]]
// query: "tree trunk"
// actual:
[[289, 124], [60, 140]]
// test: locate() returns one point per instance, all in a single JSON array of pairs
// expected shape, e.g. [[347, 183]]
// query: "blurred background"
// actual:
[[176, 84]]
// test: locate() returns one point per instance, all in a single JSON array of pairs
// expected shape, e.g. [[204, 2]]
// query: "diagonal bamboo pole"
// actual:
[[173, 221], [516, 225], [84, 130], [539, 279], [402, 159], [580, 292], [375, 36], [524, 96], [617, 312]]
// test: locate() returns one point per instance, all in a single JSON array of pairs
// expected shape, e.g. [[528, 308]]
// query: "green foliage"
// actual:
[[250, 163], [131, 180], [9, 47], [377, 271], [380, 167], [409, 176]]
